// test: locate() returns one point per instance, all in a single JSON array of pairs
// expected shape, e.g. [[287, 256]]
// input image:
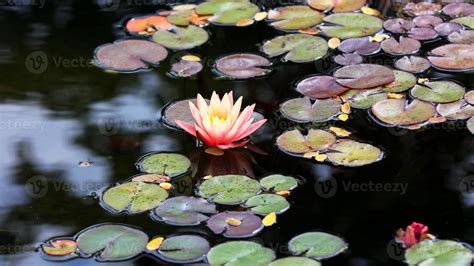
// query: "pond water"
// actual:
[[58, 110]]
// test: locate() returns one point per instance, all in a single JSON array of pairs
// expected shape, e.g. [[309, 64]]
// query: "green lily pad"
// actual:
[[364, 99], [291, 261], [317, 245], [184, 249], [279, 182], [111, 242], [399, 112], [297, 47], [180, 38], [184, 211], [301, 110], [170, 164], [403, 80], [249, 224], [229, 189], [267, 203], [134, 197], [240, 253], [466, 21], [351, 25], [470, 125], [352, 153], [439, 252], [294, 142], [227, 12], [294, 17], [364, 76], [453, 57], [438, 91], [456, 110], [337, 6]]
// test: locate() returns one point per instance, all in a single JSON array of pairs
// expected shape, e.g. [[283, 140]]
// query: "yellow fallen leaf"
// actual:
[[370, 11], [334, 42], [154, 244], [191, 58], [379, 38], [343, 117], [244, 22], [233, 221], [422, 80], [270, 219], [207, 177], [283, 193], [321, 157], [309, 31], [184, 7], [340, 132], [392, 95], [310, 154], [260, 16], [166, 185], [438, 119], [338, 99], [214, 151], [200, 20], [346, 108]]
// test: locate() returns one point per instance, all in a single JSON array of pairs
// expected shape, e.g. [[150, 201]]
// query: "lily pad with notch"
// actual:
[[129, 55], [361, 46], [398, 25], [348, 59], [438, 91], [412, 64], [184, 211], [133, 197], [351, 25], [178, 110], [265, 204], [439, 252], [294, 17], [243, 66], [181, 38], [301, 110], [294, 142], [403, 46], [183, 249], [320, 87], [337, 6], [364, 76], [185, 68], [400, 112], [229, 189], [279, 183], [240, 253], [453, 57], [422, 34], [427, 21], [164, 163], [462, 37], [227, 12], [317, 245], [353, 153], [235, 224], [297, 48], [403, 81], [458, 110]]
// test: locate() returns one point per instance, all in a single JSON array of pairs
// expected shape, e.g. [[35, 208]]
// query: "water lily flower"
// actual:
[[414, 234], [221, 124]]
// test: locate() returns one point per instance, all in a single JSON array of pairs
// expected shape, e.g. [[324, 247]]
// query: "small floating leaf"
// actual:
[[270, 219], [267, 203], [184, 249], [243, 65], [343, 117], [296, 47], [229, 189], [185, 68], [240, 253], [439, 252], [294, 142], [370, 11], [364, 76], [351, 25], [317, 245], [184, 211], [191, 58], [321, 157], [233, 221], [60, 247], [244, 22], [334, 42], [379, 38], [166, 185], [392, 95], [340, 132], [260, 16], [352, 153], [170, 164], [223, 223], [181, 38], [346, 108], [291, 261], [301, 110], [279, 182], [154, 244]]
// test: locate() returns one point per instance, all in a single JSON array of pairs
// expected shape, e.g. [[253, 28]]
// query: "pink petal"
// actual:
[[190, 128]]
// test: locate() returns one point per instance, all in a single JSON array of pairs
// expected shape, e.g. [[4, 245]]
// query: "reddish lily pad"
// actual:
[[243, 66], [398, 25], [456, 110], [422, 8], [422, 34], [320, 87], [227, 12], [348, 59], [438, 91], [178, 110], [427, 21], [147, 25], [412, 64], [60, 247], [181, 38], [351, 25], [398, 112], [458, 9], [295, 142], [185, 68], [297, 47], [462, 37], [404, 46], [184, 211], [129, 55], [453, 57], [250, 224], [353, 154], [301, 110], [364, 99], [337, 6], [446, 28], [364, 76], [466, 21], [360, 46], [294, 17]]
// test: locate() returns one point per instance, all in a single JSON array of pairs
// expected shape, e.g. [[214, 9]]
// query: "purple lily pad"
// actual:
[[413, 64], [364, 76], [243, 66], [398, 25], [469, 97], [178, 111], [458, 9], [456, 110], [427, 21], [360, 46], [301, 110], [453, 57], [399, 112], [422, 8], [348, 59], [403, 47], [444, 29], [462, 37], [320, 87], [250, 224], [186, 68], [422, 34], [184, 211], [129, 55]]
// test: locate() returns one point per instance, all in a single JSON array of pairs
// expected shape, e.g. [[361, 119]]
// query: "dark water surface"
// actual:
[[54, 116]]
